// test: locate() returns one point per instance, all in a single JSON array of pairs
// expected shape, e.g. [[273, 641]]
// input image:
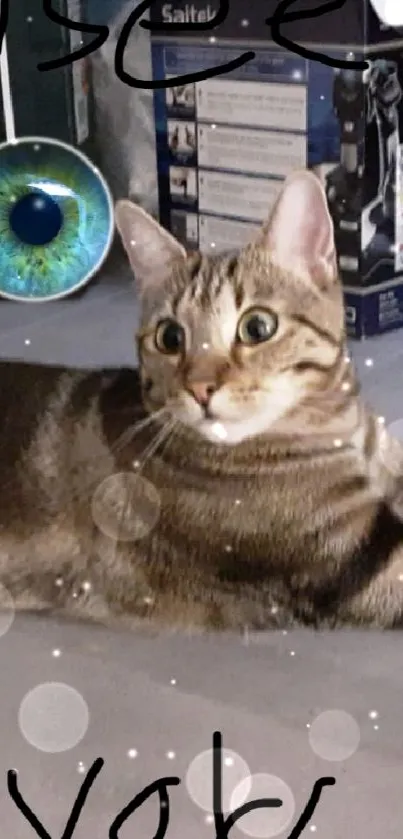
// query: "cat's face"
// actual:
[[233, 345]]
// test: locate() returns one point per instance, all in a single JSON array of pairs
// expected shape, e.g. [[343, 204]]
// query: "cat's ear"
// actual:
[[151, 250], [299, 233]]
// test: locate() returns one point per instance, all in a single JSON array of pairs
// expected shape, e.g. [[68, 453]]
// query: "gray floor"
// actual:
[[154, 705], [291, 707]]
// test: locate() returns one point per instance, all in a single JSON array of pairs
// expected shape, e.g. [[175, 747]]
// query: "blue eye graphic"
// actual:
[[56, 220]]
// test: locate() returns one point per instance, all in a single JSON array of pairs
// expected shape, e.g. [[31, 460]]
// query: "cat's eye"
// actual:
[[256, 326], [169, 337]]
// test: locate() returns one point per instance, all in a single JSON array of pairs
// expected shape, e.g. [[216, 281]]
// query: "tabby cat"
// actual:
[[238, 480]]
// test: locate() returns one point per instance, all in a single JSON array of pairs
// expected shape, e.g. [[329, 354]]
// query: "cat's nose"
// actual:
[[202, 392]]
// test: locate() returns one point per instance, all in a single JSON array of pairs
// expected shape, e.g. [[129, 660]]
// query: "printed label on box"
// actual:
[[281, 106], [246, 150], [225, 145], [221, 234], [237, 195]]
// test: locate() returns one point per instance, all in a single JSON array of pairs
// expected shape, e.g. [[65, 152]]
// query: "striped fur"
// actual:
[[299, 523]]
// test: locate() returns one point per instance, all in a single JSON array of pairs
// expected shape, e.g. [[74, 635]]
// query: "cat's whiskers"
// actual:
[[162, 436], [136, 428], [88, 486], [165, 443]]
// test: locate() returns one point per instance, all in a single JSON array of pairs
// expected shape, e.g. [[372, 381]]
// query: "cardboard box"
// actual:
[[226, 144]]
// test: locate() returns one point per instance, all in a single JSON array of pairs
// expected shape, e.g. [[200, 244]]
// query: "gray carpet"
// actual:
[[292, 709]]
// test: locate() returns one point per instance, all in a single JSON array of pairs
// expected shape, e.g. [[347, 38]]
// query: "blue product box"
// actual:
[[225, 144]]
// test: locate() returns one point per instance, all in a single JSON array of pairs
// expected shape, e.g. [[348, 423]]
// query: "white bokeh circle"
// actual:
[[199, 778], [264, 822], [7, 610], [126, 507], [334, 735], [53, 717]]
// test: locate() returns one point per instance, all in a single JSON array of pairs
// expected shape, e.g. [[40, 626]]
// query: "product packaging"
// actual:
[[225, 144]]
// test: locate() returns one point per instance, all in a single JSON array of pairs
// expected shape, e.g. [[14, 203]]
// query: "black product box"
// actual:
[[226, 144], [56, 103]]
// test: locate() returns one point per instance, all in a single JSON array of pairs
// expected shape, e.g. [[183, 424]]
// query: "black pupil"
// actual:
[[172, 337], [257, 328], [36, 219]]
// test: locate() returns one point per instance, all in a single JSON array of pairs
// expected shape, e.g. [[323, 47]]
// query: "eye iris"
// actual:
[[55, 220]]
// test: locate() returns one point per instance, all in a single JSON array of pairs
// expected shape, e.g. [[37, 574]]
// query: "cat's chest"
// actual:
[[186, 508], [225, 512]]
